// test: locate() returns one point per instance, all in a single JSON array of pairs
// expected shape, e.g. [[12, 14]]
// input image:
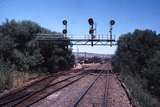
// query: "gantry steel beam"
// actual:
[[61, 39]]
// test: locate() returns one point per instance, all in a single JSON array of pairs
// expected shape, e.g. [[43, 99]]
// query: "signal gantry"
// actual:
[[92, 41]]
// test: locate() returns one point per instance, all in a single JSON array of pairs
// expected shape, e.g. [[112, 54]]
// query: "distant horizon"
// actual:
[[93, 53]]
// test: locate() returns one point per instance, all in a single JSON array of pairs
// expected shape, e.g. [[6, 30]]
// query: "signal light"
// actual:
[[64, 22], [91, 31], [112, 22], [90, 21], [64, 31]]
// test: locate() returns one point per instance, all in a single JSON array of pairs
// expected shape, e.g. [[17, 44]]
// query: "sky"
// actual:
[[128, 14]]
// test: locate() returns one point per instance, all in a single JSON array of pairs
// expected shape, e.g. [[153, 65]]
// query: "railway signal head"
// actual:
[[91, 31], [64, 22], [64, 31], [91, 21], [112, 22]]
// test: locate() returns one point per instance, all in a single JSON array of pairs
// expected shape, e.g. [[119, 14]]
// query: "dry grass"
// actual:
[[15, 79], [19, 78]]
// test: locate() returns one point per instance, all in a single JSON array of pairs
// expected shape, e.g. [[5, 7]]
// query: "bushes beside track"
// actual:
[[18, 47], [18, 50], [138, 58]]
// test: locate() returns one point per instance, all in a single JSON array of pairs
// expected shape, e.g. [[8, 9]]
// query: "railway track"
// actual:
[[21, 92], [30, 95], [75, 104], [38, 91], [104, 102], [106, 92]]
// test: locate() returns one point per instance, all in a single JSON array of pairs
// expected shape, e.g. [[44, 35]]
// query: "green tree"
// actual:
[[137, 54], [19, 47]]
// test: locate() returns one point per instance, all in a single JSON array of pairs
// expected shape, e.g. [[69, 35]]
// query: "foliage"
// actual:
[[5, 77], [143, 97], [19, 47], [153, 74], [138, 54]]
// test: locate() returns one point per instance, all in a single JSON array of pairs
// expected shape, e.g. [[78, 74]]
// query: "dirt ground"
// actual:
[[94, 98], [97, 96]]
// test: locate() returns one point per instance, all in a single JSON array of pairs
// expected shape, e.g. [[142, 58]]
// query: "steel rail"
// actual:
[[85, 92], [104, 97], [46, 88], [106, 92], [20, 90], [27, 95], [7, 96]]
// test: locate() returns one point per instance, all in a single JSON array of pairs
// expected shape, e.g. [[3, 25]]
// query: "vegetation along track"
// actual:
[[27, 97], [20, 93], [86, 91]]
